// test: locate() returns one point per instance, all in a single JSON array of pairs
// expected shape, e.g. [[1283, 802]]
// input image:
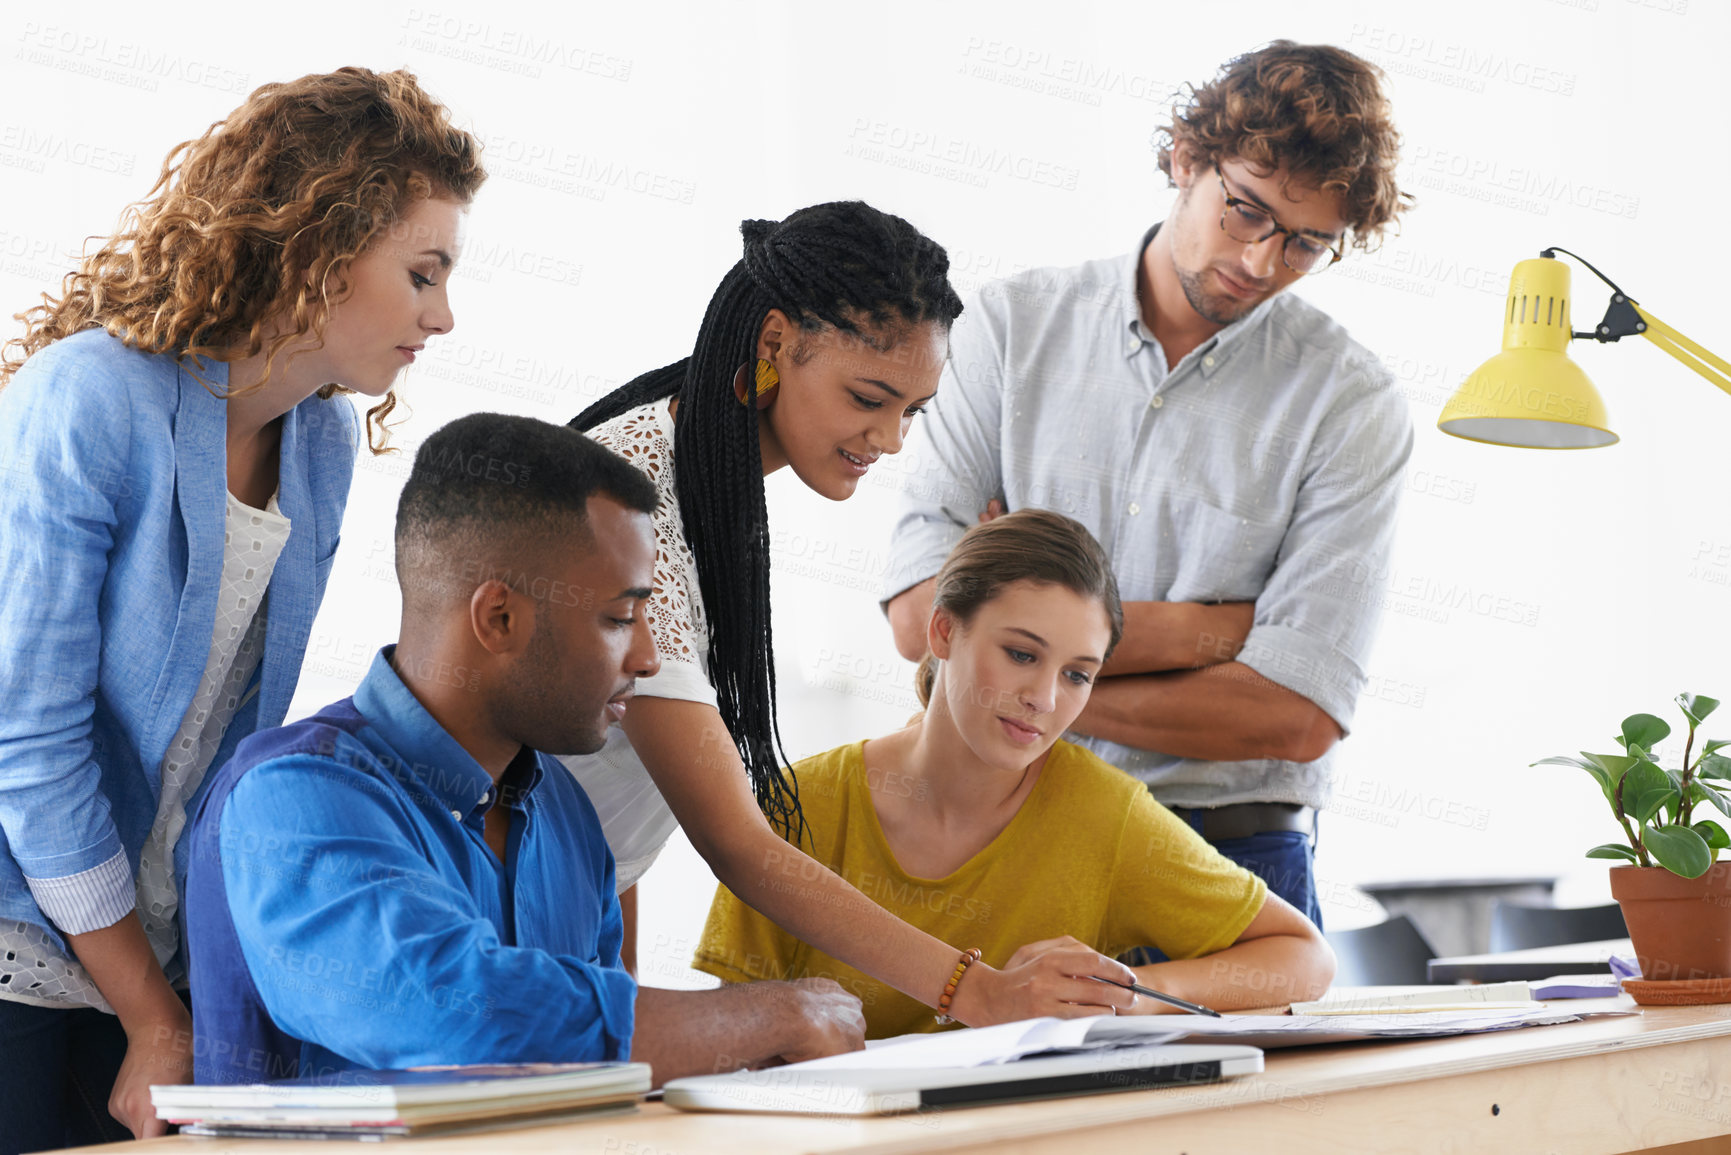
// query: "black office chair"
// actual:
[[1389, 954], [1519, 927]]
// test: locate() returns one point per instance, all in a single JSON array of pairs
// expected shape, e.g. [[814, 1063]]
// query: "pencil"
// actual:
[[1193, 1008]]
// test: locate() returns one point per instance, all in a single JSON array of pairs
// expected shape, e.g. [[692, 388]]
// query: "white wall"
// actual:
[[1534, 598]]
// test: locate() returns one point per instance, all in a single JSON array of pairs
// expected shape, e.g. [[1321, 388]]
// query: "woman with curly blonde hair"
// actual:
[[177, 470]]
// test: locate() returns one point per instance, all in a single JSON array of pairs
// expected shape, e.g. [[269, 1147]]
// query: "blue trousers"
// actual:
[[1286, 861]]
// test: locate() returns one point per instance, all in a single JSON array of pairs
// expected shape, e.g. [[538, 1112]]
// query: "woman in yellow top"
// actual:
[[976, 823]]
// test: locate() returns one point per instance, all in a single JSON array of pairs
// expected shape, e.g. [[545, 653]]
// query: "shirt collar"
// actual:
[[1220, 342], [1129, 290], [426, 753], [519, 779]]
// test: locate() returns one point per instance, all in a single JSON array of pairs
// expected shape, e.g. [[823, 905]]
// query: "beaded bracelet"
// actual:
[[968, 959]]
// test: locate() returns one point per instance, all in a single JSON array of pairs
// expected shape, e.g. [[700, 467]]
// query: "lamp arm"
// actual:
[[1709, 365], [1621, 319], [1624, 318]]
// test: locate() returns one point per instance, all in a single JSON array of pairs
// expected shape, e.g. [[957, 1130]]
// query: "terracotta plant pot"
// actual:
[[1681, 927]]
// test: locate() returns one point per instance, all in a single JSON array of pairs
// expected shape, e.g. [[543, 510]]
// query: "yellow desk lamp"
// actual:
[[1531, 395]]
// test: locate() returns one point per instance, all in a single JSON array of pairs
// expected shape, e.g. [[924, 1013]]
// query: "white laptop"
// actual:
[[830, 1089]]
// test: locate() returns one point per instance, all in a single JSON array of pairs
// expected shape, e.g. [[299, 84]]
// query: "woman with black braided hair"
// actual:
[[817, 350]]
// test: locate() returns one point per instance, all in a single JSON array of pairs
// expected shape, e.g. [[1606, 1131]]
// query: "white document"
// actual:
[[1267, 1031], [1483, 996], [1004, 1043], [1007, 1042], [1498, 995]]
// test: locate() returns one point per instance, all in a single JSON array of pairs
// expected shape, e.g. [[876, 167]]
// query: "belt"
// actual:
[[1244, 819]]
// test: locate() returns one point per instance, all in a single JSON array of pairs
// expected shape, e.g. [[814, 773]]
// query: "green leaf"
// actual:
[[1674, 804], [1610, 770], [1713, 766], [1613, 850], [1715, 744], [1703, 793], [1646, 790], [1564, 760], [1679, 849], [1697, 707], [1714, 833], [1614, 765], [1644, 730], [1598, 772]]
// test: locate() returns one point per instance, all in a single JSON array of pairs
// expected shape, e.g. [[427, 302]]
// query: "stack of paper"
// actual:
[[1483, 997], [374, 1103], [1011, 1041], [1297, 1030]]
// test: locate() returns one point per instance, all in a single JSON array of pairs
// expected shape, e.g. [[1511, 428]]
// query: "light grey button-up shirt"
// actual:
[[1265, 466]]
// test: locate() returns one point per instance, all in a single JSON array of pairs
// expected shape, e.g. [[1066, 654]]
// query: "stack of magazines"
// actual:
[[375, 1104]]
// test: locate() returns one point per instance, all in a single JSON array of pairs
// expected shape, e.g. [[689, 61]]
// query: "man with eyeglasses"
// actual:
[[1235, 451]]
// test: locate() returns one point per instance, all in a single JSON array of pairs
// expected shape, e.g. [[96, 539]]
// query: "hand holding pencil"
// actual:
[[1126, 981]]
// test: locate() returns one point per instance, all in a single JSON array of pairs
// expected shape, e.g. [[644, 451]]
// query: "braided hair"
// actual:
[[842, 265]]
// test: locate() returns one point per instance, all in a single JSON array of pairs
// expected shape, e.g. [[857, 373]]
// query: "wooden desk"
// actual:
[[1540, 962], [1599, 1086]]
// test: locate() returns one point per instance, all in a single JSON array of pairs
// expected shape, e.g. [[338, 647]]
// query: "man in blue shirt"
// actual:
[[408, 877], [1236, 452]]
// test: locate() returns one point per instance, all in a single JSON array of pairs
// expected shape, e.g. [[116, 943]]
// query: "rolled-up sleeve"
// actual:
[[64, 462], [334, 904], [1317, 617], [953, 467]]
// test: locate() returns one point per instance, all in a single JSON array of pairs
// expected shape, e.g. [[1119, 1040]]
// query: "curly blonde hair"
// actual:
[[1317, 110], [258, 220]]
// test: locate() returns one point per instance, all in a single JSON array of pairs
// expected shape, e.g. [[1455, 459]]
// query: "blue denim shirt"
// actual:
[[113, 479], [344, 910]]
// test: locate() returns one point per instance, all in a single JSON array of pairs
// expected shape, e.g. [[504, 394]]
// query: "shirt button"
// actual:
[[1156, 402], [457, 814], [1135, 509], [1135, 344], [1208, 361]]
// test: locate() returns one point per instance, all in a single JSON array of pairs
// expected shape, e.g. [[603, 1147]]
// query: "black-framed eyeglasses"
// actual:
[[1249, 223]]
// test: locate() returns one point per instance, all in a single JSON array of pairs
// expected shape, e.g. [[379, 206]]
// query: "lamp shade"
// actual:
[[1531, 395]]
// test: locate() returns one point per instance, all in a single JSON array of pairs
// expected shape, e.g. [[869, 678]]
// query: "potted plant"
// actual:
[[1675, 895]]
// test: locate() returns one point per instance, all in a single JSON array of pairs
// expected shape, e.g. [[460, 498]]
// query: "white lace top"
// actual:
[[32, 968], [633, 814]]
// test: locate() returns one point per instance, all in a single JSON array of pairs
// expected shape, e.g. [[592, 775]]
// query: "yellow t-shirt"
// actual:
[[1089, 854]]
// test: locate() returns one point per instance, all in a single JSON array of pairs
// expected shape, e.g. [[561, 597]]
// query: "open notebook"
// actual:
[[1044, 1057], [1007, 1042]]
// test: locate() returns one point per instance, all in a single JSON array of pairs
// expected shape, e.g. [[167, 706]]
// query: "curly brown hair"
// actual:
[[257, 221], [1317, 110]]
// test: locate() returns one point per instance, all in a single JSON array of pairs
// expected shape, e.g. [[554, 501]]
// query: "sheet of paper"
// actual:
[[964, 1048], [1369, 1008], [1431, 998], [1010, 1041], [1003, 1043], [1268, 1031]]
